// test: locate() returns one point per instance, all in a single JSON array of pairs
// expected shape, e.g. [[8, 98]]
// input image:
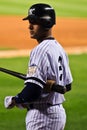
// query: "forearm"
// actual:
[[31, 92], [61, 89], [52, 86]]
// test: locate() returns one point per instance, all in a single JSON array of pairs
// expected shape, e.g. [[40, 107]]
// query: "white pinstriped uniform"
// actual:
[[48, 61]]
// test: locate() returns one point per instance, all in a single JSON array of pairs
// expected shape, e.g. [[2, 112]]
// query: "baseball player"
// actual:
[[48, 61]]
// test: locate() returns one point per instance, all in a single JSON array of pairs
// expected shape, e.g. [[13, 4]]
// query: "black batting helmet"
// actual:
[[42, 14]]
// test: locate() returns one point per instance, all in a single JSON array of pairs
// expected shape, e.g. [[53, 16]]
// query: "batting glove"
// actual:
[[8, 102]]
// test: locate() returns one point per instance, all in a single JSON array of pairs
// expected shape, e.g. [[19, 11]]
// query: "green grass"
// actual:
[[10, 85], [75, 105], [68, 8]]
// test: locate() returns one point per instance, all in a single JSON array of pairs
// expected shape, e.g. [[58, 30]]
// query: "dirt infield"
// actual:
[[70, 32]]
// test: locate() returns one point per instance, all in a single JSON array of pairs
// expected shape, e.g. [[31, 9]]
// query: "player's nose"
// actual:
[[31, 26]]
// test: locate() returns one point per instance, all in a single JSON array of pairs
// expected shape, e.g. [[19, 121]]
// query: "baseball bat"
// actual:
[[13, 73], [55, 87]]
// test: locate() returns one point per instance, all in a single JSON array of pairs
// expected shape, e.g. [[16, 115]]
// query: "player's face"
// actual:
[[36, 31]]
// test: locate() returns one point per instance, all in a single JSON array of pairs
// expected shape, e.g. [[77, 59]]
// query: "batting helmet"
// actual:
[[42, 14]]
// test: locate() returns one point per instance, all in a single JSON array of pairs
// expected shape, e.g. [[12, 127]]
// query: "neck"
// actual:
[[43, 38], [46, 34]]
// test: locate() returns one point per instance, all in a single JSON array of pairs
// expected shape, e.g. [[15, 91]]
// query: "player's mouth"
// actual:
[[32, 34]]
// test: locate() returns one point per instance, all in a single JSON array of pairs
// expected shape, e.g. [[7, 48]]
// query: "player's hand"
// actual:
[[9, 102], [51, 86], [48, 86]]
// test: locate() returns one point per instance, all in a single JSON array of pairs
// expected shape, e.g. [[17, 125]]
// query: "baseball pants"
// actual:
[[45, 117]]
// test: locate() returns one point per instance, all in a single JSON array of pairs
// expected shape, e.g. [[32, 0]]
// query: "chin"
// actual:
[[32, 37]]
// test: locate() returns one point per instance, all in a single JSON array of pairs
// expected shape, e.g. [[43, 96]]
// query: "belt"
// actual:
[[32, 106]]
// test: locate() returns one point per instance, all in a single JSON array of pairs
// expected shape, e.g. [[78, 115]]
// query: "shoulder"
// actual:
[[41, 48], [49, 47]]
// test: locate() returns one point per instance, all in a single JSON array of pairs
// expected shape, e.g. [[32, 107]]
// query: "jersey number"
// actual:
[[60, 68]]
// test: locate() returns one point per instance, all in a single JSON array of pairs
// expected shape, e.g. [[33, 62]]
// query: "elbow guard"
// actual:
[[31, 92]]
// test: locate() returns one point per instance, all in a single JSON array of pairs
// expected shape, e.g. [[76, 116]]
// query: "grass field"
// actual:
[[75, 105], [70, 8]]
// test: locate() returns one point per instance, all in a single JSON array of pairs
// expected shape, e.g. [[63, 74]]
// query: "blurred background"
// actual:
[[70, 29]]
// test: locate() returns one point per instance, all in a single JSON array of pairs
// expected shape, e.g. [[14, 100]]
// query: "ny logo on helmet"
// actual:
[[31, 11]]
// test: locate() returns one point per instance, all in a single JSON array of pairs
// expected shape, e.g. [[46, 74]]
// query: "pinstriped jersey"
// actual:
[[48, 61]]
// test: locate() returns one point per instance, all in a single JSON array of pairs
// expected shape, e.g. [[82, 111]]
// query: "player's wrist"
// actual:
[[13, 101], [17, 99]]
